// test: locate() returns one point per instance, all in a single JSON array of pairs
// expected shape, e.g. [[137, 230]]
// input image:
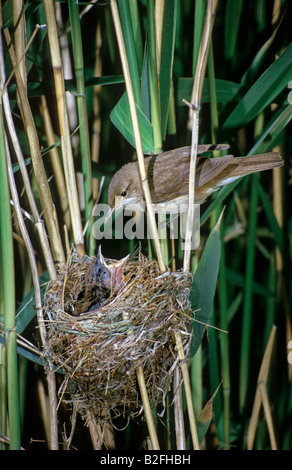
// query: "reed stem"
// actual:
[[194, 118], [188, 392], [147, 409], [139, 149], [247, 305], [66, 146], [48, 207], [153, 78], [82, 114], [178, 411], [38, 305], [40, 226], [261, 397], [8, 291]]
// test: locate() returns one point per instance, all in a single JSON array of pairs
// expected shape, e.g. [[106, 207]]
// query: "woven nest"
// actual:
[[100, 350]]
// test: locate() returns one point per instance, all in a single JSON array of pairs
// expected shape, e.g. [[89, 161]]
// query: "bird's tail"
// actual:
[[241, 166]]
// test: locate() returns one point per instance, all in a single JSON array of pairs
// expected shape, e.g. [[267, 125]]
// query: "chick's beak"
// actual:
[[113, 273], [117, 273]]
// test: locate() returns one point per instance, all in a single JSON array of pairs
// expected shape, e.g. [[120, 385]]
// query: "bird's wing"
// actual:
[[168, 173], [209, 168], [186, 151]]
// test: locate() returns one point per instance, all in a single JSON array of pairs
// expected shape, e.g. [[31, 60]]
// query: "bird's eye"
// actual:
[[123, 193]]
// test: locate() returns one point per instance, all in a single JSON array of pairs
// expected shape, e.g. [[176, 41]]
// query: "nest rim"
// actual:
[[99, 351]]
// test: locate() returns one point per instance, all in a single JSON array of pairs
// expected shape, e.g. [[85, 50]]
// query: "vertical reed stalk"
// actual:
[[196, 98], [147, 409], [132, 57], [278, 207], [247, 305], [214, 120], [139, 149], [178, 411], [96, 126], [56, 162], [137, 34], [38, 305], [66, 147], [18, 152], [153, 78], [8, 290], [41, 178], [158, 15], [82, 111], [20, 41], [261, 397], [199, 12], [3, 381], [224, 347], [189, 400]]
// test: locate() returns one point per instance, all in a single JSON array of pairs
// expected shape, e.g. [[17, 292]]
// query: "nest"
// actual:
[[100, 350]]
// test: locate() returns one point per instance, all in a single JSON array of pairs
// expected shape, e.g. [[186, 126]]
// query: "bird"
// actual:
[[168, 177], [108, 276], [103, 280]]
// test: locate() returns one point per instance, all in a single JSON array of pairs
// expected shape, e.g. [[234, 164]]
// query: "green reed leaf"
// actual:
[[121, 118], [204, 285], [262, 93]]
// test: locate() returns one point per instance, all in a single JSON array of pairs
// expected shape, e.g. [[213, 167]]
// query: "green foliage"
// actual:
[[242, 275], [121, 118], [204, 286]]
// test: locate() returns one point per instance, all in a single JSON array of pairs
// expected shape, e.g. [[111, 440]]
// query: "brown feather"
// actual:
[[168, 174]]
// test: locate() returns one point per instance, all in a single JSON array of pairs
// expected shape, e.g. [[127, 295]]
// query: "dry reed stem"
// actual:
[[261, 397], [203, 53], [194, 113], [158, 14], [139, 149], [178, 411], [268, 414], [96, 125], [48, 207], [38, 303], [56, 162], [191, 208], [30, 251], [194, 119], [26, 181], [145, 186], [20, 41], [188, 392], [278, 210], [66, 147], [100, 435], [147, 409]]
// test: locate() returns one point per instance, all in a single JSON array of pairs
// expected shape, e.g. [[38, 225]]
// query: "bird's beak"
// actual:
[[122, 262], [100, 256], [116, 270], [109, 214], [118, 265], [118, 205]]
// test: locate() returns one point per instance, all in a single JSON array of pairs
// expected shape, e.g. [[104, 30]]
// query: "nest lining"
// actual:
[[100, 350]]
